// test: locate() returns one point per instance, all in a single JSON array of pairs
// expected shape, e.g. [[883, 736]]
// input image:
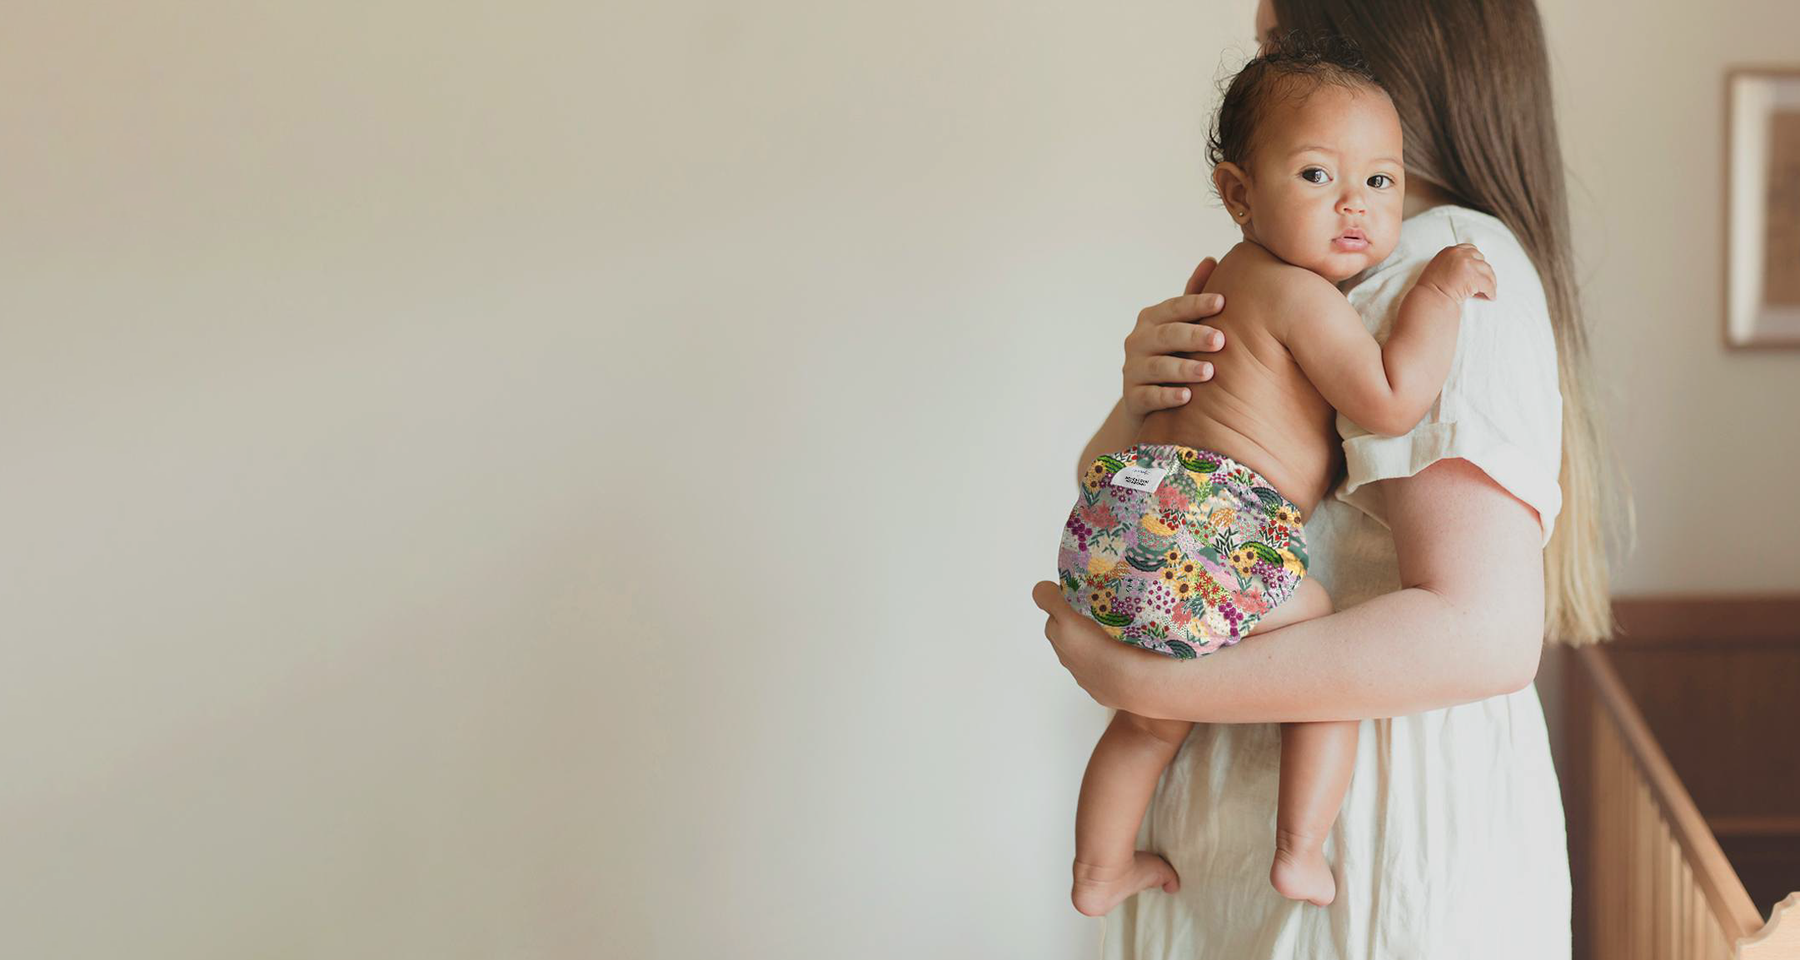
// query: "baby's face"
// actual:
[[1326, 182]]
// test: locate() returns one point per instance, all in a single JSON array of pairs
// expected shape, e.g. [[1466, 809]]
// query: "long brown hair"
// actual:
[[1471, 81]]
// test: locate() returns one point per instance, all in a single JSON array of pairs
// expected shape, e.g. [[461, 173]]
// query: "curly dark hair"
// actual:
[[1292, 68]]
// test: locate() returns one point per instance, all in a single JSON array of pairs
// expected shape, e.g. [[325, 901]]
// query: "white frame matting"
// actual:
[[1753, 100]]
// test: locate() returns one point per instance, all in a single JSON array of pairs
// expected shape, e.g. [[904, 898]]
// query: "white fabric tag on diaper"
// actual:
[[1146, 479]]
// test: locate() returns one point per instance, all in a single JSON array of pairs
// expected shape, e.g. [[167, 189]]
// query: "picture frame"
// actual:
[[1762, 208]]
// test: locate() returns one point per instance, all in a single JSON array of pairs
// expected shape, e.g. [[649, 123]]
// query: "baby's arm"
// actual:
[[1386, 388]]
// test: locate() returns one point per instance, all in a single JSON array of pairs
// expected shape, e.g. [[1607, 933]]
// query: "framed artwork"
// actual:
[[1762, 208]]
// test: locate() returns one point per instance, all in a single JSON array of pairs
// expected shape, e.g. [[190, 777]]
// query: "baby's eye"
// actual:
[[1307, 175], [1389, 181]]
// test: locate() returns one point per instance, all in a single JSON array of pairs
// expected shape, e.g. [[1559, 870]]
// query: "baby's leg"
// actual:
[[1316, 760], [1121, 775]]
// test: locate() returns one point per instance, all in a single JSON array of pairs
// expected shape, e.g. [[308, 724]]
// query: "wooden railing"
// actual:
[[1661, 888]]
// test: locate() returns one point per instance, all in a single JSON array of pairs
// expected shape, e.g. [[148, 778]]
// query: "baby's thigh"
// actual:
[[1309, 602], [1170, 732]]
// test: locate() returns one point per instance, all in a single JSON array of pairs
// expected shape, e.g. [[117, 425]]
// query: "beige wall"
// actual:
[[556, 481], [1703, 432]]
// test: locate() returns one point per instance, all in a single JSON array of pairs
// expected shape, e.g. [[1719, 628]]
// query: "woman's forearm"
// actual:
[[1397, 654], [1116, 433], [1468, 624]]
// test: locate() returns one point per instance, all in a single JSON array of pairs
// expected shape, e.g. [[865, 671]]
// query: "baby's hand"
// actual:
[[1459, 273]]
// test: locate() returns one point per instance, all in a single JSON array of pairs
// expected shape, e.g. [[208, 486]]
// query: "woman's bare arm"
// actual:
[[1467, 625]]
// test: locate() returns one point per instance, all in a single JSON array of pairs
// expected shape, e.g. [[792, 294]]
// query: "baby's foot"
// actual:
[[1098, 889], [1300, 871]]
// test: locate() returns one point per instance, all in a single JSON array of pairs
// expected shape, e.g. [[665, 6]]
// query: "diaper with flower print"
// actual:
[[1179, 550]]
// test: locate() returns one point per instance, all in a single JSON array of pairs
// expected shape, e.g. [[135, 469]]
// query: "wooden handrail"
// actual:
[[1776, 941], [1730, 903]]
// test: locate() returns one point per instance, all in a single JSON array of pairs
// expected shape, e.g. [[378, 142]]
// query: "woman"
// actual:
[[1451, 553]]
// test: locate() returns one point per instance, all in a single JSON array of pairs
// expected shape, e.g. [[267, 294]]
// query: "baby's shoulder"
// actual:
[[1253, 278]]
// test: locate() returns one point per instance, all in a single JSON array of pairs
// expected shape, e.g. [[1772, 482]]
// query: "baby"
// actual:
[[1191, 537]]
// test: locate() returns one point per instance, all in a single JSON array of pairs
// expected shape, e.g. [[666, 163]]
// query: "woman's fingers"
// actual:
[[1190, 338], [1079, 644], [1157, 339], [1168, 328], [1156, 397], [1147, 377], [1176, 369], [1187, 307], [1049, 598], [1163, 369], [1147, 381]]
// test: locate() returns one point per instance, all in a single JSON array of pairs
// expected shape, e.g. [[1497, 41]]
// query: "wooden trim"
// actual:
[[1780, 940], [1694, 620], [1731, 904], [1786, 826]]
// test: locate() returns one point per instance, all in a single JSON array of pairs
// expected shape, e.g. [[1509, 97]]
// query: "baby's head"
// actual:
[[1306, 154]]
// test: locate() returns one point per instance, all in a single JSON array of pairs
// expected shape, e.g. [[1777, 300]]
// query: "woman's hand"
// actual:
[[1161, 330], [1108, 670], [1169, 328]]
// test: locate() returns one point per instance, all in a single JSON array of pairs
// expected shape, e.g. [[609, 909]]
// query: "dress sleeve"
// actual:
[[1500, 409]]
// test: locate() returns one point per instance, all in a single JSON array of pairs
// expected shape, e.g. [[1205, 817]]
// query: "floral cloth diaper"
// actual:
[[1179, 550]]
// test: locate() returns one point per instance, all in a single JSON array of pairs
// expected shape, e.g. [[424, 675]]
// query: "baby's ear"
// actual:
[[1233, 184]]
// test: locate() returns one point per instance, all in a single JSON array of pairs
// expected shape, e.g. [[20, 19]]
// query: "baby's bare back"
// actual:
[[1259, 408]]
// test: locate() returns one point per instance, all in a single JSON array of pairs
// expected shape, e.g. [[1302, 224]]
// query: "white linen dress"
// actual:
[[1450, 843]]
